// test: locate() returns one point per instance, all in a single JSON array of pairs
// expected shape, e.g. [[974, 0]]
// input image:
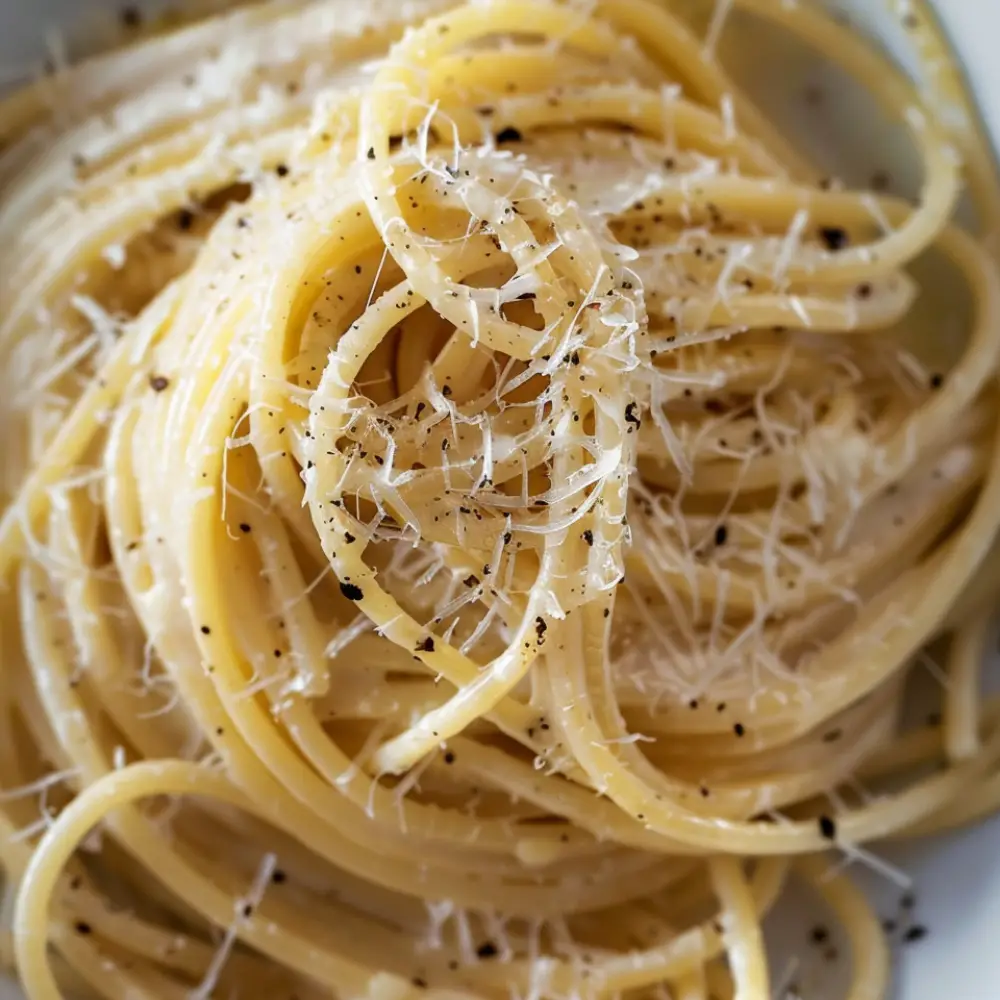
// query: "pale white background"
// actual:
[[957, 880]]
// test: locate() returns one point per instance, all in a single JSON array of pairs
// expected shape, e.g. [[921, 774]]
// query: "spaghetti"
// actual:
[[475, 498]]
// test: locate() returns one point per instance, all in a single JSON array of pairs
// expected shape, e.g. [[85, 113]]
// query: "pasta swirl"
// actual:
[[475, 495]]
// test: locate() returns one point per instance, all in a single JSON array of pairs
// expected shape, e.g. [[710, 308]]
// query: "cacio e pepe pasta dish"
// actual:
[[474, 494]]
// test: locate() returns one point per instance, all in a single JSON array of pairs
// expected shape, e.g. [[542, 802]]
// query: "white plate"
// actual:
[[956, 879]]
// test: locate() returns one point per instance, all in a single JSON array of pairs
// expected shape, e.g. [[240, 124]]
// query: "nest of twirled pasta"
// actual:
[[471, 514]]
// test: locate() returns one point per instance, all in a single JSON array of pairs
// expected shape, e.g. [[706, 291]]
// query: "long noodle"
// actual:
[[476, 500]]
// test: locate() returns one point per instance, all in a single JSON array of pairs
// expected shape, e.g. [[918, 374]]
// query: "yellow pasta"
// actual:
[[475, 499]]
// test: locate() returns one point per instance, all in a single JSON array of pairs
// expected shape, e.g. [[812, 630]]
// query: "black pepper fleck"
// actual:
[[509, 134], [833, 237]]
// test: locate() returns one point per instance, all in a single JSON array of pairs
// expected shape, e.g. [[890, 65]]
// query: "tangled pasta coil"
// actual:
[[472, 515]]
